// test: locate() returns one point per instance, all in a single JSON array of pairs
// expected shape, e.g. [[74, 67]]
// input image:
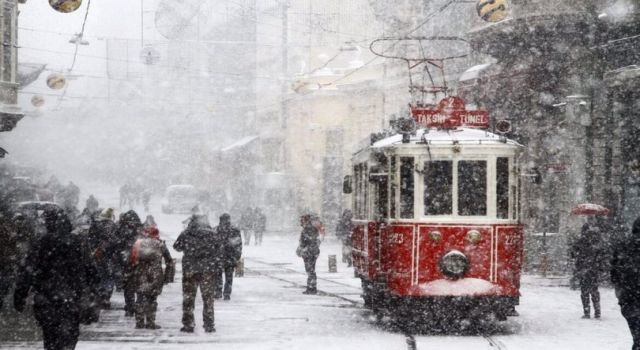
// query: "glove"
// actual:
[[18, 305]]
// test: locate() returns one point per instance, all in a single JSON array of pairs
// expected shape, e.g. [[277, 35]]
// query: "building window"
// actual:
[[472, 188], [438, 187]]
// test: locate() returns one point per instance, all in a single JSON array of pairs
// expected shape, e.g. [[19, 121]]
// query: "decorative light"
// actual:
[[37, 101], [56, 81], [65, 6], [492, 10]]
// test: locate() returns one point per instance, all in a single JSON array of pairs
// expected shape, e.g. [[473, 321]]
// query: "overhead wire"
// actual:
[[392, 46]]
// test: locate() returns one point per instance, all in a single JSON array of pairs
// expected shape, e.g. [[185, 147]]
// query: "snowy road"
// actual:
[[268, 311]]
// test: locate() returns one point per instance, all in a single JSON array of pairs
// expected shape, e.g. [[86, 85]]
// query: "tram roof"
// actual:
[[464, 136]]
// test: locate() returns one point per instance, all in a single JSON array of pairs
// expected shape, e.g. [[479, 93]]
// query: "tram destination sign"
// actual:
[[450, 119]]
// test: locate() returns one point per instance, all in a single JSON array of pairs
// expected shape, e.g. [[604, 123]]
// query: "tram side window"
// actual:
[[392, 188], [502, 187], [406, 187], [472, 188], [438, 180]]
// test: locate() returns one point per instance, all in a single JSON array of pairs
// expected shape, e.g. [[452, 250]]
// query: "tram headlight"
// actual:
[[435, 236], [454, 264], [474, 237]]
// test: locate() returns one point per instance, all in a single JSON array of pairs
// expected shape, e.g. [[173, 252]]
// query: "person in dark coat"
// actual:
[[343, 232], [203, 250], [58, 270], [309, 250], [232, 253], [259, 225], [9, 255], [625, 276], [92, 204], [102, 239], [588, 252], [129, 229], [146, 259]]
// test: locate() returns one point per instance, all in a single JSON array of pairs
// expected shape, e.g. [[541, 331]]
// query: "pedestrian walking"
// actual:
[[58, 270], [92, 205], [588, 252], [232, 253], [246, 225], [259, 225], [625, 276], [309, 250], [102, 240], [145, 259], [202, 249], [343, 232], [129, 229]]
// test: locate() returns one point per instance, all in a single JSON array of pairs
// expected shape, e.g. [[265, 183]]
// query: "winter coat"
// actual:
[[589, 253], [102, 238], [8, 247], [146, 262], [129, 229], [625, 268], [58, 268], [232, 244], [309, 245], [203, 249], [246, 220]]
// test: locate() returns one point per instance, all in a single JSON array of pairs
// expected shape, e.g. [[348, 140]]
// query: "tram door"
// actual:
[[379, 186]]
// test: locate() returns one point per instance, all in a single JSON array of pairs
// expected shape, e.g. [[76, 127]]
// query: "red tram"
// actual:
[[436, 225]]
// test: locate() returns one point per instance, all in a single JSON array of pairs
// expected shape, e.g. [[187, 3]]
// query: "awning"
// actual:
[[29, 72], [473, 73], [243, 142]]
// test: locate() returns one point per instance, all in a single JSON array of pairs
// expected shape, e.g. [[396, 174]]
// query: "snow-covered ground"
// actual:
[[268, 311]]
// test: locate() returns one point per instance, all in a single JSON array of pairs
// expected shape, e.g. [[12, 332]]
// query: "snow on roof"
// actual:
[[242, 142], [435, 136]]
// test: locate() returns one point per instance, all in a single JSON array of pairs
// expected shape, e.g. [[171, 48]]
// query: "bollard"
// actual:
[[240, 268], [333, 265]]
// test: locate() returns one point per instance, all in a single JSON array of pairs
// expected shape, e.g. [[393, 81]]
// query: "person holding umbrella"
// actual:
[[588, 253]]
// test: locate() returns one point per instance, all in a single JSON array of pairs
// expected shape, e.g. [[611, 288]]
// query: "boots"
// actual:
[[310, 291], [596, 308]]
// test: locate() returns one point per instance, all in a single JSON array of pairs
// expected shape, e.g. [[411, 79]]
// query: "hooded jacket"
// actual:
[[58, 267], [625, 267], [202, 246], [146, 261]]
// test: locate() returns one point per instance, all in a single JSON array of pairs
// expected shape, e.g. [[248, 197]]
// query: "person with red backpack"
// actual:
[[146, 263]]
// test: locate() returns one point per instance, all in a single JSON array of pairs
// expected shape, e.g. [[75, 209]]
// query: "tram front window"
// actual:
[[472, 188], [438, 179]]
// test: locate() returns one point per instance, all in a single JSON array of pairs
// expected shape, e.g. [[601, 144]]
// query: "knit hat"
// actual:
[[106, 214], [152, 231]]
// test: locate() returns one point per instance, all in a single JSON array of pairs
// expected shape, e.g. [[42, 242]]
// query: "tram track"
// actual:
[[410, 338]]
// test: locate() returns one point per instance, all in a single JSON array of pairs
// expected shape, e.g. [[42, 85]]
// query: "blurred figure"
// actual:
[[92, 204], [149, 222], [246, 224], [203, 250], [124, 194], [625, 275], [146, 198], [343, 232], [58, 270], [102, 240], [232, 253], [588, 252], [128, 231], [9, 256], [309, 250], [146, 263], [259, 225]]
